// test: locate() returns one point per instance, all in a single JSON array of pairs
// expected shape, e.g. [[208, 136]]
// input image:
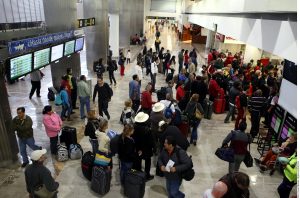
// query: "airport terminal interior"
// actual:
[[219, 48]]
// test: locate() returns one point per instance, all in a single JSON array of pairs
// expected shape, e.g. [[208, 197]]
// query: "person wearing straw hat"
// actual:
[[38, 177], [144, 143]]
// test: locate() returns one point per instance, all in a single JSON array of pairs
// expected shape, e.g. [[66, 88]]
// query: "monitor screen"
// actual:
[[79, 44], [57, 52], [41, 58], [20, 66], [289, 126], [277, 118], [69, 47]]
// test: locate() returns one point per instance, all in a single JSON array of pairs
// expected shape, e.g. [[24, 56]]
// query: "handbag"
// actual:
[[248, 160], [225, 154], [43, 192], [198, 115]]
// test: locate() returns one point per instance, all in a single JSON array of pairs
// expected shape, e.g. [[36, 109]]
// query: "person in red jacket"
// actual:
[[146, 100], [180, 91], [213, 88]]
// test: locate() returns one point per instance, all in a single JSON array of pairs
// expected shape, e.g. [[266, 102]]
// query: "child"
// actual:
[[128, 56]]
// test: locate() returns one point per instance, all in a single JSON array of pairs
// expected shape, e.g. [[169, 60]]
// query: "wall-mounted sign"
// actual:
[[220, 37], [155, 17], [21, 46], [86, 22], [231, 40]]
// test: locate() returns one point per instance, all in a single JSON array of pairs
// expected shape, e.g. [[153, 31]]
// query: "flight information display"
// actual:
[[20, 66], [79, 44], [69, 47], [41, 58], [57, 52]]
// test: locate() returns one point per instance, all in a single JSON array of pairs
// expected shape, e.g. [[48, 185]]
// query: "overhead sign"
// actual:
[[231, 40], [220, 37], [21, 46], [86, 22]]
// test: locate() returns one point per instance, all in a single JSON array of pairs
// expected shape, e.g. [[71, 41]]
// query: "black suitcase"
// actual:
[[101, 178], [169, 77], [135, 182], [208, 109], [87, 164], [68, 136]]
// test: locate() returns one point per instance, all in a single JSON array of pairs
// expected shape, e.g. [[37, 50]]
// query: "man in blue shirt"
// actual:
[[134, 92]]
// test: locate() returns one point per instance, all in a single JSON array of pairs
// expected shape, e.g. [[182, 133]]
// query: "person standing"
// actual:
[[186, 59], [91, 126], [84, 94], [139, 72], [146, 100], [191, 67], [38, 176], [172, 174], [121, 62], [153, 73], [111, 68], [241, 105], [53, 124], [167, 58], [104, 96], [156, 44], [128, 57], [36, 78], [22, 124], [135, 92], [110, 52], [99, 68], [73, 85], [233, 93], [180, 60], [193, 56], [239, 141], [66, 106]]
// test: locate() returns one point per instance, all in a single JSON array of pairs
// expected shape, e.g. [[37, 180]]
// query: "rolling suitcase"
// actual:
[[101, 178], [219, 105], [68, 136], [208, 109], [135, 182], [87, 164], [184, 128]]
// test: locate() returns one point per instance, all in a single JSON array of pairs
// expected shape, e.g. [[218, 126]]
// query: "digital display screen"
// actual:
[[290, 71], [289, 126], [20, 66], [69, 48], [277, 118], [41, 58], [79, 44], [57, 52]]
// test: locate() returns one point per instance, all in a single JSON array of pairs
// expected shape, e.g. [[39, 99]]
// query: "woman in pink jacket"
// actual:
[[53, 124]]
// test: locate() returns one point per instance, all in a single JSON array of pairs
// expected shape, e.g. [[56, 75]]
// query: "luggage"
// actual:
[[208, 109], [101, 178], [221, 94], [87, 164], [219, 105], [135, 184], [184, 128], [111, 134], [51, 94], [62, 153], [159, 67], [75, 151], [68, 136], [114, 145], [169, 77]]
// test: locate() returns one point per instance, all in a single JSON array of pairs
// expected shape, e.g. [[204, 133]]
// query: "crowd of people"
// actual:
[[161, 128]]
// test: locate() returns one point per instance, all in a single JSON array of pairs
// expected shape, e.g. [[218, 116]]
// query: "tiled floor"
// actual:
[[72, 183]]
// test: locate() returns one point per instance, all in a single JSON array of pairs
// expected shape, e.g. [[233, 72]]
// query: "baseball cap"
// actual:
[[37, 154]]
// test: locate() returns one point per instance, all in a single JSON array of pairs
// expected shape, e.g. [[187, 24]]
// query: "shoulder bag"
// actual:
[[248, 160]]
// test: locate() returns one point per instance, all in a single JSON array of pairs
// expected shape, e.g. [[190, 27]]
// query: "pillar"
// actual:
[[114, 34]]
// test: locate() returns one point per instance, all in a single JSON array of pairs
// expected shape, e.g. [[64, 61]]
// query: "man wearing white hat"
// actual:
[[38, 178]]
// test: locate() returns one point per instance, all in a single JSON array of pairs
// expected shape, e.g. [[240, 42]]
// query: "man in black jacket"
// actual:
[[104, 96], [38, 176], [172, 154]]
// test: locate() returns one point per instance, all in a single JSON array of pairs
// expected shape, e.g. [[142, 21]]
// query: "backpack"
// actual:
[[168, 111], [188, 174], [115, 65], [110, 91], [95, 124], [75, 151], [87, 164], [114, 144], [58, 101], [126, 117], [51, 95], [62, 153], [120, 61], [177, 118]]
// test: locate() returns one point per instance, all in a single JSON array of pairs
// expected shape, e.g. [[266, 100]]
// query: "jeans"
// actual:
[[103, 106], [173, 189], [95, 145], [112, 77], [35, 85], [255, 120], [125, 167], [65, 109], [135, 105], [73, 97], [230, 112], [53, 145], [235, 166], [22, 146], [285, 188], [194, 135], [153, 81], [180, 66], [84, 101]]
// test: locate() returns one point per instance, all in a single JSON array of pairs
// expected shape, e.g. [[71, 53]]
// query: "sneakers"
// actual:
[[24, 164], [226, 121], [149, 177]]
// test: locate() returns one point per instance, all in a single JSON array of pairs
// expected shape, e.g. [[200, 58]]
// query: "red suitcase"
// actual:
[[221, 94], [219, 105], [184, 128]]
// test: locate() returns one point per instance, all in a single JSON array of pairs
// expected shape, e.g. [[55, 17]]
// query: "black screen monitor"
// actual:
[[20, 66], [57, 52], [41, 58], [69, 47], [79, 44]]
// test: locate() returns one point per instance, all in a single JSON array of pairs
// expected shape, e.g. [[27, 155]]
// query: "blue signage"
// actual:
[[21, 46]]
